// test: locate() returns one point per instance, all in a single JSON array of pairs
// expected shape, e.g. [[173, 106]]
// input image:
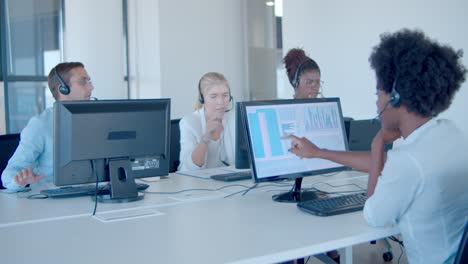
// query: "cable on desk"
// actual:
[[244, 191], [224, 187], [248, 190], [200, 189], [256, 186], [93, 169], [343, 185], [232, 194], [151, 181], [400, 243]]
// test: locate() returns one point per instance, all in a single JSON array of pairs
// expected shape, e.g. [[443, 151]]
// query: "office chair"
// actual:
[[8, 145], [347, 123], [174, 146], [462, 254]]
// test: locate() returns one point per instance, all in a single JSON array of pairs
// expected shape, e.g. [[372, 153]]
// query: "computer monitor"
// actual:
[[111, 140], [174, 146], [241, 149], [319, 120]]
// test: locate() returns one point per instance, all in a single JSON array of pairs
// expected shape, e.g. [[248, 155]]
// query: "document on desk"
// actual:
[[207, 173]]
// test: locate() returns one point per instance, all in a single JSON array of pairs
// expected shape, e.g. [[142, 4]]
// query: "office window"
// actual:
[[31, 46], [24, 98]]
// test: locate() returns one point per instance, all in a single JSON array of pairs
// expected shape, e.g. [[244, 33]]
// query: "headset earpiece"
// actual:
[[395, 98], [295, 80], [63, 87], [201, 99]]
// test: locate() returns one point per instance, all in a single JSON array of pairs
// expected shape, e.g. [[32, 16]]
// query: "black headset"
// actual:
[[64, 88], [395, 98], [201, 99], [295, 80], [394, 101]]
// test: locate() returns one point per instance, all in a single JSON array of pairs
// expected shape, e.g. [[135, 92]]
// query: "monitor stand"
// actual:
[[295, 195], [122, 183]]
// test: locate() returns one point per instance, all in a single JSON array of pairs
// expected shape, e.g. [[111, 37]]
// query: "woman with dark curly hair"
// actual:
[[303, 74], [421, 184]]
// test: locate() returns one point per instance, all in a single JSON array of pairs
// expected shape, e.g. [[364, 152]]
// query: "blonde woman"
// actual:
[[207, 134]]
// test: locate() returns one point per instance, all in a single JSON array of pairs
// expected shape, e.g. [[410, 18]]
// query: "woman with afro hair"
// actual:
[[420, 186]]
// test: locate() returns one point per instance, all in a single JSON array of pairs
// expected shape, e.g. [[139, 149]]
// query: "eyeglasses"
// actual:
[[83, 82], [316, 83]]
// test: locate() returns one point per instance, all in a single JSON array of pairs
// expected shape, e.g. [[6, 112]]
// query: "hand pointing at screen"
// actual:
[[302, 147]]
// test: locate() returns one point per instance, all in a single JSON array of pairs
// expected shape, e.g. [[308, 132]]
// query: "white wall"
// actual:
[[339, 35], [260, 32], [197, 37], [93, 35], [144, 48], [172, 43]]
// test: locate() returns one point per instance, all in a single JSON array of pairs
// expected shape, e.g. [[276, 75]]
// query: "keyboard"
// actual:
[[233, 176], [84, 190], [334, 205]]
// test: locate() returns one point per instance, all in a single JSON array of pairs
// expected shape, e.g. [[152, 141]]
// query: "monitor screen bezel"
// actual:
[[58, 155], [241, 152], [290, 176]]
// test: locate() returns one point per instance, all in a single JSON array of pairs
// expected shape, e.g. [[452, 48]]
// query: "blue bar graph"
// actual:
[[273, 132], [256, 135]]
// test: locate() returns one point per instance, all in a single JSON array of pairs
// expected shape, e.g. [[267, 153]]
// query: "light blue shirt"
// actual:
[[423, 189], [35, 151]]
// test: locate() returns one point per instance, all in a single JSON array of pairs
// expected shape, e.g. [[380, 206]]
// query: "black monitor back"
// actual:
[[241, 148], [175, 146], [104, 130]]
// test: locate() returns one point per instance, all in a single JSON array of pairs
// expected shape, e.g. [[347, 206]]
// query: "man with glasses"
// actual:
[[32, 160]]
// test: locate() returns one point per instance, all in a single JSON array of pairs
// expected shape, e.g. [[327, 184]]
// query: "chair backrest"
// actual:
[[347, 121], [361, 133], [8, 145], [462, 254], [174, 146]]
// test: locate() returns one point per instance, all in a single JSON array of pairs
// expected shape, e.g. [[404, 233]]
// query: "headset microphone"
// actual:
[[377, 117], [395, 100], [94, 98]]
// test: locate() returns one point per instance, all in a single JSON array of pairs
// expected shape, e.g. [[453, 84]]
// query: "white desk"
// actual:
[[239, 229]]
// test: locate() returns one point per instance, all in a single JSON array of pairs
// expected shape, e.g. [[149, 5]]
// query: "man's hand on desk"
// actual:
[[27, 176]]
